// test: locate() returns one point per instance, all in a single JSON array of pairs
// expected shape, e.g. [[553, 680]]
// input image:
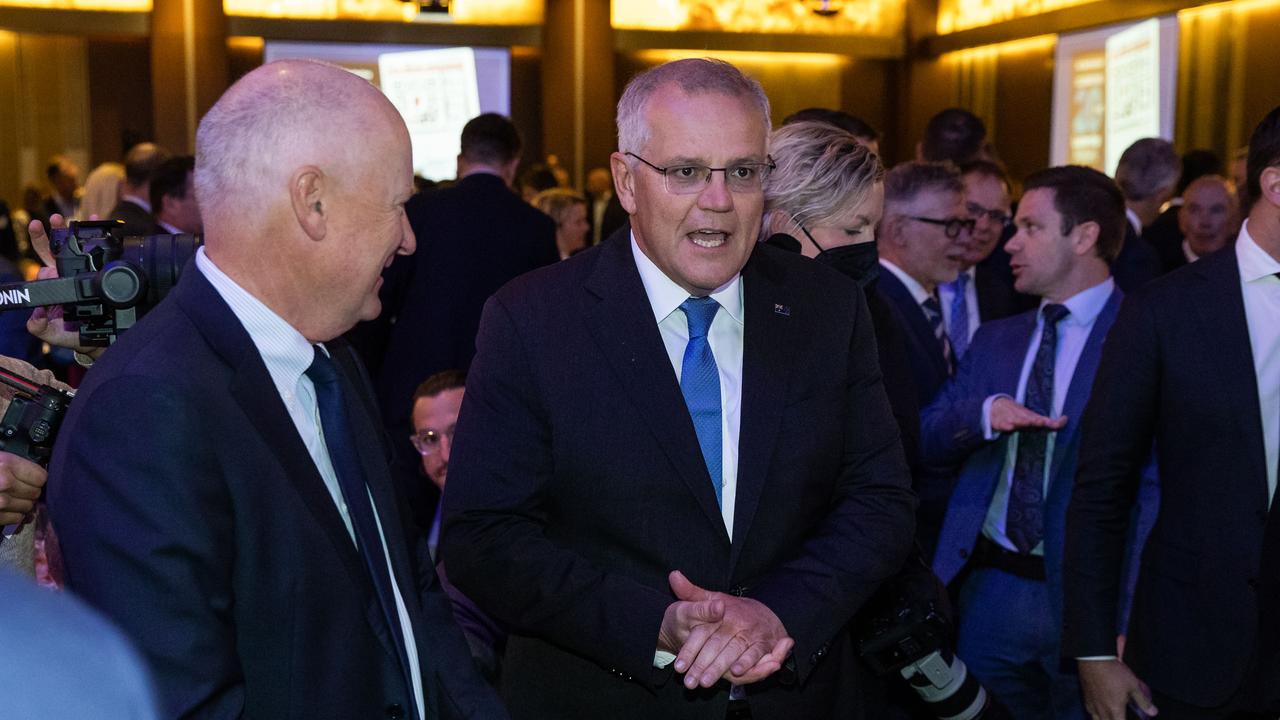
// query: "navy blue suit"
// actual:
[[952, 436], [576, 485], [190, 513]]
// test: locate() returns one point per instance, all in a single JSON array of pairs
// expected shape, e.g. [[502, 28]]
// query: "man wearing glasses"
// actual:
[[983, 291], [676, 475]]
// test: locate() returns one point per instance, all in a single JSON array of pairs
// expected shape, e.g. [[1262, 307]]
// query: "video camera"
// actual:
[[106, 282]]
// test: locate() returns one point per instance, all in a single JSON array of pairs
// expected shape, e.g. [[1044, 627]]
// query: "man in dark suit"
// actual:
[[1009, 420], [135, 207], [221, 490], [1193, 364], [604, 213], [1148, 176], [771, 479], [473, 237], [1208, 220]]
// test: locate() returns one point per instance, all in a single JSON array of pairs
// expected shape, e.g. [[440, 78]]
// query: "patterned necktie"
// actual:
[[700, 383], [1025, 521], [958, 332], [336, 428], [933, 313]]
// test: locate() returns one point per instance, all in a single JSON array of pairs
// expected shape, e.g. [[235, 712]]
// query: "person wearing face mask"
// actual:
[[824, 199]]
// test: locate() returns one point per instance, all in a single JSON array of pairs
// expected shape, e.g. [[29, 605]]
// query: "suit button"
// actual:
[[738, 591], [395, 712]]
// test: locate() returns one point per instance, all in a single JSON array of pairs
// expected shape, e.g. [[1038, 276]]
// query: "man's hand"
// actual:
[[684, 619], [20, 484], [1009, 416], [748, 645], [1109, 686], [47, 323]]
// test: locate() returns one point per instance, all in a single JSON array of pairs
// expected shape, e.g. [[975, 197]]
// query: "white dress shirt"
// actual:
[[1134, 221], [918, 293], [1261, 290], [725, 338], [1073, 334], [947, 295], [287, 355]]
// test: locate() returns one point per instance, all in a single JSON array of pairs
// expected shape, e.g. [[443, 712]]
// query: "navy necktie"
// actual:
[[336, 428], [700, 384], [958, 332], [933, 313], [1025, 520]]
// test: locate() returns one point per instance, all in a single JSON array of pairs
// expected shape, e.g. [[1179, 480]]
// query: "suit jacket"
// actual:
[[576, 485], [952, 436], [996, 297], [1137, 264], [1178, 370], [137, 221], [66, 661], [928, 365], [190, 512], [614, 217], [473, 237]]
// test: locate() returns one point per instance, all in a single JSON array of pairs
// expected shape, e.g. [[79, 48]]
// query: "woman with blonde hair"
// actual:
[[569, 209], [102, 191]]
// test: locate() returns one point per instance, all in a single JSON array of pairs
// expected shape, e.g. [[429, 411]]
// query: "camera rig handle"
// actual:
[[35, 413]]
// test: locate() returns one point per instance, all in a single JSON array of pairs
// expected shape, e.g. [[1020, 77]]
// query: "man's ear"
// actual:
[[623, 182], [1084, 238], [308, 192], [1270, 181]]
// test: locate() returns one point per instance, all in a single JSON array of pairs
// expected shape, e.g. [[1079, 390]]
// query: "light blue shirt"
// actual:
[[1073, 334], [287, 355]]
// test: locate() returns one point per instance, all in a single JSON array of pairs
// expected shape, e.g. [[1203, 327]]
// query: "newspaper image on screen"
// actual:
[[436, 92]]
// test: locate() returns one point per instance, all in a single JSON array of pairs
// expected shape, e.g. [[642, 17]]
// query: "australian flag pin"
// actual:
[[783, 310]]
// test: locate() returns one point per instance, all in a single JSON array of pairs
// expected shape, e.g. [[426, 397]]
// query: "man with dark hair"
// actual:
[[852, 124], [135, 207], [1148, 176], [1193, 366], [473, 237], [1009, 421], [64, 180], [954, 135], [173, 196]]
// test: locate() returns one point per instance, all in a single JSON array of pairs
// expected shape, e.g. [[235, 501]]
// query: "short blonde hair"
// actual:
[[557, 201], [821, 171], [102, 190]]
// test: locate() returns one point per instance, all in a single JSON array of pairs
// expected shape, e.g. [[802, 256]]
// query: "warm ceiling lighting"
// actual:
[[956, 15], [744, 58], [1040, 43], [815, 17], [1225, 7], [465, 12], [108, 5]]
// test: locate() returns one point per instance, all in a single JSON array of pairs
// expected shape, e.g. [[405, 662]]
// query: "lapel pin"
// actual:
[[783, 310]]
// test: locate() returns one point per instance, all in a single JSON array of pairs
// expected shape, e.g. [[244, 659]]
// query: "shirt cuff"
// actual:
[[662, 658], [1096, 658], [987, 432]]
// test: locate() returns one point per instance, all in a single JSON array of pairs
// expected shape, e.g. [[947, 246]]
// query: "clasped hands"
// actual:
[[719, 636]]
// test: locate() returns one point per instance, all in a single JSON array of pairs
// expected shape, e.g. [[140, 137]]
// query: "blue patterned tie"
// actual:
[[700, 383], [933, 313], [336, 428], [1025, 520], [959, 330]]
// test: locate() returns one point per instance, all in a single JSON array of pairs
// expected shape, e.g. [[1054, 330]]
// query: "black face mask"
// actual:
[[859, 261]]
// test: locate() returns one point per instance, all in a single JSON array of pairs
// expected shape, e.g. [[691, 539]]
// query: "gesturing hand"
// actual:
[[747, 645], [1109, 686], [1009, 416], [48, 323]]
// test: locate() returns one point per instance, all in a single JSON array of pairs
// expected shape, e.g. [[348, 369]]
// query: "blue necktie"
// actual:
[[336, 428], [1025, 520], [933, 313], [700, 383], [959, 330]]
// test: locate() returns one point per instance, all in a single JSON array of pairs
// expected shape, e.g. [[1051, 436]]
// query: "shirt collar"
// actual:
[[140, 202], [665, 296], [1087, 305], [915, 288], [1188, 253], [1255, 263], [169, 228], [1134, 220], [285, 352]]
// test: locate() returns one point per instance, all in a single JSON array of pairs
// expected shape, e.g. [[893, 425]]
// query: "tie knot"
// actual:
[[700, 311], [322, 370], [1054, 313]]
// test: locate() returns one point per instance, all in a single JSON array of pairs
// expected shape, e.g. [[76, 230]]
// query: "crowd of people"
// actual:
[[668, 448]]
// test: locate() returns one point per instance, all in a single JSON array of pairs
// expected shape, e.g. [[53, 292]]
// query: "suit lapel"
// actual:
[[1219, 304], [768, 339], [255, 392], [621, 321], [917, 323]]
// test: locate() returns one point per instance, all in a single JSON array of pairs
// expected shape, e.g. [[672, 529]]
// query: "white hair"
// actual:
[[694, 76], [821, 172]]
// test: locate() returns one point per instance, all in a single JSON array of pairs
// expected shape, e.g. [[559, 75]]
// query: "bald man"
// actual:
[[1209, 219], [222, 492]]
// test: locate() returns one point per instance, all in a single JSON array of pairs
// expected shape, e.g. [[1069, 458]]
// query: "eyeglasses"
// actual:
[[692, 179], [428, 442], [999, 217], [954, 226]]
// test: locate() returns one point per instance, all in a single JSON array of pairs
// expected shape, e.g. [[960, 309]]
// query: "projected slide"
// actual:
[[1111, 87], [437, 90]]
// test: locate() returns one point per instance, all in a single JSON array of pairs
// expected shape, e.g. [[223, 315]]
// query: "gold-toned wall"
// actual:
[[878, 18]]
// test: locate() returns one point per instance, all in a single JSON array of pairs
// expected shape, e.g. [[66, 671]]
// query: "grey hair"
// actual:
[[821, 171], [694, 76], [265, 125], [1147, 167], [907, 180]]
